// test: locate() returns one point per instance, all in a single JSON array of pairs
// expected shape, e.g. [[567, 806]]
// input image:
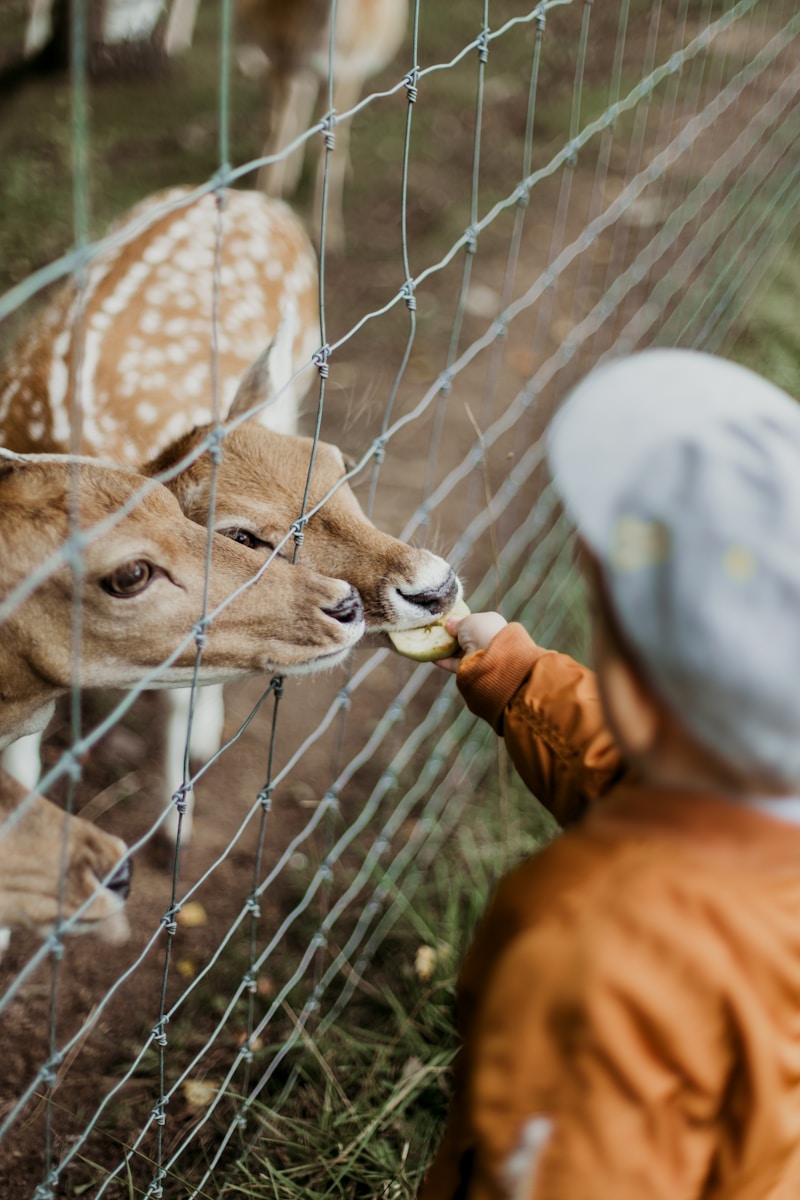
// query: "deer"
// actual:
[[294, 36], [118, 32], [257, 487], [130, 354], [141, 591], [58, 870]]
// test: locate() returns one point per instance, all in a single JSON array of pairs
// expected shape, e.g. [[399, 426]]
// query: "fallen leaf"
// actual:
[[192, 915], [199, 1092]]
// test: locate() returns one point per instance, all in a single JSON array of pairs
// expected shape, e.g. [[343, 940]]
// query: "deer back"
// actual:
[[132, 360]]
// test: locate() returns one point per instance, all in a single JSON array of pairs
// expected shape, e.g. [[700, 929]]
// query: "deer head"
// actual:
[[139, 589]]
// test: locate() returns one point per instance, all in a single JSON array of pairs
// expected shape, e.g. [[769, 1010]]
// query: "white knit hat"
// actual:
[[682, 474]]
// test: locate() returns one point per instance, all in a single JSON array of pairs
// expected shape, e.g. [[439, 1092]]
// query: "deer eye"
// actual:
[[245, 538], [130, 579]]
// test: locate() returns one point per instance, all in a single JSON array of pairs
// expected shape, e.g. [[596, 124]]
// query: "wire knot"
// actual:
[[215, 446], [169, 922], [221, 180], [297, 530], [331, 801], [160, 1118], [471, 235], [49, 1072], [407, 292], [159, 1034], [523, 195], [379, 449], [483, 46], [412, 84], [200, 636], [320, 360], [327, 130], [155, 1189], [265, 797]]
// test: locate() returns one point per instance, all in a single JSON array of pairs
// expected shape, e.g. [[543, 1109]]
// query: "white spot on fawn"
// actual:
[[151, 321], [58, 385]]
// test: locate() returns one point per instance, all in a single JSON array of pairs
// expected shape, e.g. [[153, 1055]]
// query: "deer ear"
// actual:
[[255, 387]]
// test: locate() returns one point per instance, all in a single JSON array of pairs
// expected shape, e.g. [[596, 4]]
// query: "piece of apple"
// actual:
[[429, 642]]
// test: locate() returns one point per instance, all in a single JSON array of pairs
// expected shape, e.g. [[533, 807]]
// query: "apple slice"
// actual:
[[429, 642]]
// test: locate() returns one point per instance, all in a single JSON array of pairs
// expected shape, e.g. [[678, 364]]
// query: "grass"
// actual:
[[768, 337]]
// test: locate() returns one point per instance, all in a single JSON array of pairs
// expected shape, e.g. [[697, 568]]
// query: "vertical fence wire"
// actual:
[[703, 123]]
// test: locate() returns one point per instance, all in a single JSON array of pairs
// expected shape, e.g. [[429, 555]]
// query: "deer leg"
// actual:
[[39, 29], [346, 93], [178, 703], [205, 740], [23, 760], [124, 22], [180, 26], [293, 96], [209, 718]]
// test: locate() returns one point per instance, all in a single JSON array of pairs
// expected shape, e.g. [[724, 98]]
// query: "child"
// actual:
[[630, 1004]]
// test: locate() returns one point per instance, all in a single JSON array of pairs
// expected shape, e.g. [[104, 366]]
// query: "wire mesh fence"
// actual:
[[533, 189]]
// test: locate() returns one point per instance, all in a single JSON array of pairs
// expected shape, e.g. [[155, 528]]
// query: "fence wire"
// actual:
[[573, 181]]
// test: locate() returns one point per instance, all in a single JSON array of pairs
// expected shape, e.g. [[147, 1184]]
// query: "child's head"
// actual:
[[682, 474]]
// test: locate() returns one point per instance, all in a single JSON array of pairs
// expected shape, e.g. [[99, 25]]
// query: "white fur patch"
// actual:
[[519, 1174]]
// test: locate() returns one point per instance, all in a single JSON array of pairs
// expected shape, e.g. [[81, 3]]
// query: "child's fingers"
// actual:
[[476, 631], [452, 624], [448, 664]]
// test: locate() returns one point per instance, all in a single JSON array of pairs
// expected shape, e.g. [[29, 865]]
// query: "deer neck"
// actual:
[[26, 701]]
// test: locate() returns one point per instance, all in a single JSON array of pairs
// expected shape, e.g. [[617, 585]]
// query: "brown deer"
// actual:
[[294, 35], [58, 868], [262, 474], [141, 591]]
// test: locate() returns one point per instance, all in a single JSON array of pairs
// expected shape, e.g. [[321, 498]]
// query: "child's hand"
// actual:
[[473, 632]]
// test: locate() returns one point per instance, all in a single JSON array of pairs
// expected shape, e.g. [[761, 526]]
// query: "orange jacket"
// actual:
[[630, 1004]]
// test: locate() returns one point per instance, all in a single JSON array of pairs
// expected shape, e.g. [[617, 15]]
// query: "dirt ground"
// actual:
[[120, 778]]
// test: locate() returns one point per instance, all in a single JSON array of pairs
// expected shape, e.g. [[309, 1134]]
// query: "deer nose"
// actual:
[[120, 881], [348, 610], [435, 600]]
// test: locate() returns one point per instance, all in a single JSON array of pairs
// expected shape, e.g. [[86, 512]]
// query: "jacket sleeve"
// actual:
[[547, 708], [599, 1069]]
